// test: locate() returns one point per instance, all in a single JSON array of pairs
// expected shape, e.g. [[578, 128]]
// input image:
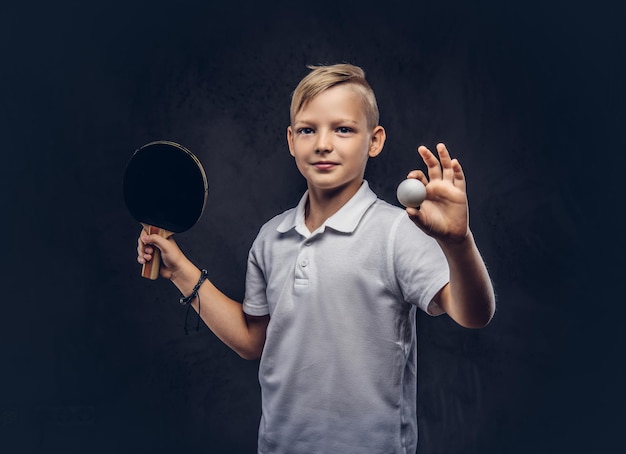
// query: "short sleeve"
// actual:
[[419, 265], [255, 300]]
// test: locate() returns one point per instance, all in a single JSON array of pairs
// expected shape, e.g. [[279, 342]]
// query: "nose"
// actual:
[[324, 142]]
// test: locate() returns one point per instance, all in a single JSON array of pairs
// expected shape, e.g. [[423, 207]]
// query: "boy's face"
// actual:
[[331, 141]]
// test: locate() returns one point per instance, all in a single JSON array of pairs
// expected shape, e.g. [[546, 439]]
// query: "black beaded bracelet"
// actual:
[[185, 300]]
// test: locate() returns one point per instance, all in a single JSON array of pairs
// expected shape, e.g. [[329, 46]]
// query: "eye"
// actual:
[[305, 131], [344, 130]]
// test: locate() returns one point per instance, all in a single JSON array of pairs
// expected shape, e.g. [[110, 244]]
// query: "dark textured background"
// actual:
[[529, 96]]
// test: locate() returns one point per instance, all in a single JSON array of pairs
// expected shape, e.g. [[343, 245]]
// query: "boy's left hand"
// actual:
[[444, 213]]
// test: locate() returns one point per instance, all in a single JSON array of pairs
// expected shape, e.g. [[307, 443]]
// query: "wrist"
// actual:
[[194, 292], [185, 277], [457, 245], [192, 295]]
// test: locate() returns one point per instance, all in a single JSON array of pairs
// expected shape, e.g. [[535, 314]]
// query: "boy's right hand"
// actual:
[[171, 255]]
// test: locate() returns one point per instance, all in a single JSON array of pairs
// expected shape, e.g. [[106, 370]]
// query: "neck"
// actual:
[[322, 204]]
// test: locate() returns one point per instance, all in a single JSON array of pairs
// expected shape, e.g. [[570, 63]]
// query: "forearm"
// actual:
[[223, 315], [470, 300]]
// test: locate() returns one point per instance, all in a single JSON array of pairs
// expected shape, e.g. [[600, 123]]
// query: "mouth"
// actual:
[[324, 165]]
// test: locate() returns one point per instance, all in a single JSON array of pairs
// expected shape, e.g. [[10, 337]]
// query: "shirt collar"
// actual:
[[345, 220]]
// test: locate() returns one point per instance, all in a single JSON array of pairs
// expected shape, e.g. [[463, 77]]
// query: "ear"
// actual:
[[290, 140], [377, 141]]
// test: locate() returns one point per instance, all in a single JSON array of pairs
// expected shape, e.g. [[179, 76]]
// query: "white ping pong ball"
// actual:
[[411, 193]]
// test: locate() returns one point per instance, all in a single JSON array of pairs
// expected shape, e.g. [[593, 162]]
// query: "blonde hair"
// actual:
[[324, 77]]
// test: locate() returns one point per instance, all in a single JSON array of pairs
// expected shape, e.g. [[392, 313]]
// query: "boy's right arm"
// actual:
[[243, 333]]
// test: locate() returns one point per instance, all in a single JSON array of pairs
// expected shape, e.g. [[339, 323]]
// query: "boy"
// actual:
[[333, 284]]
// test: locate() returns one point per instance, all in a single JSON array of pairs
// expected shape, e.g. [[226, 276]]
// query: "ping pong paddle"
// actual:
[[165, 189]]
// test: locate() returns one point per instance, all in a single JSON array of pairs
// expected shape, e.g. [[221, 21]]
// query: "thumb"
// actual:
[[419, 219], [157, 240]]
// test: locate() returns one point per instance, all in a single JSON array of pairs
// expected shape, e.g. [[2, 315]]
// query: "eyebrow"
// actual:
[[307, 121]]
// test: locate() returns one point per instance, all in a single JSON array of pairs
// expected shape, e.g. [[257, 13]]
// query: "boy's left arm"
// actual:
[[469, 297]]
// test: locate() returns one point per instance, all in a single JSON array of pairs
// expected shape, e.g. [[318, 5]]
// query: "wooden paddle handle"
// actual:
[[150, 270]]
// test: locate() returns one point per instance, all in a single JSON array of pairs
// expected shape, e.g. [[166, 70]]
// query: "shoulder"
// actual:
[[386, 209], [277, 220], [269, 230], [390, 227], [394, 225], [384, 215]]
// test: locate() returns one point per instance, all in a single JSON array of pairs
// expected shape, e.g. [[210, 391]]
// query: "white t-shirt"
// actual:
[[338, 369]]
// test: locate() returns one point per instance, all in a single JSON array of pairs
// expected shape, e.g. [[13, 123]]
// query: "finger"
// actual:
[[418, 175], [140, 250], [459, 176], [434, 167], [155, 240], [146, 242], [413, 212], [165, 245], [446, 162], [144, 254], [418, 219], [143, 237]]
